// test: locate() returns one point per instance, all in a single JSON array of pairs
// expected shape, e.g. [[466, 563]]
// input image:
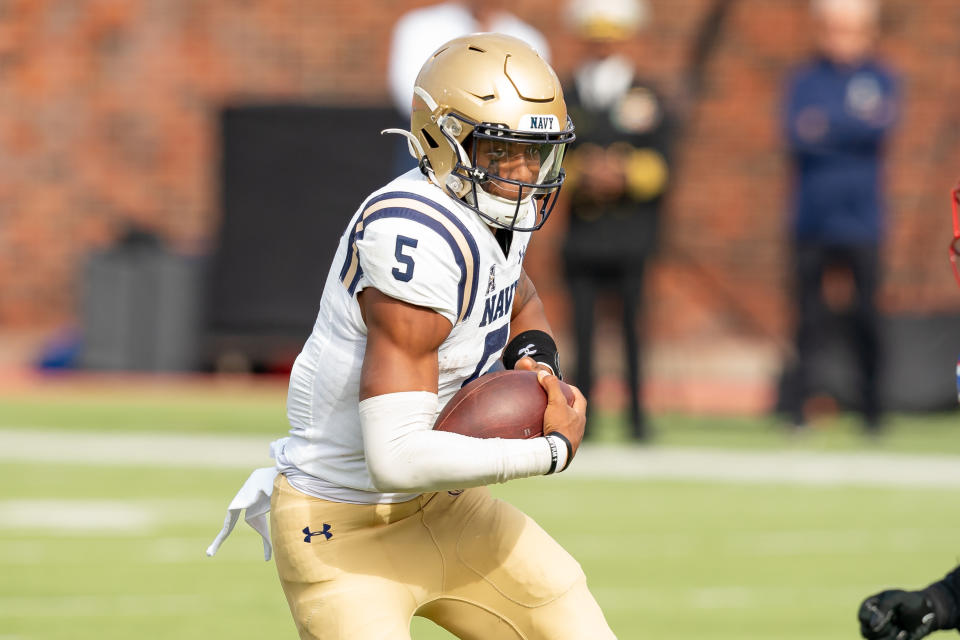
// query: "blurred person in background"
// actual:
[[839, 111], [619, 173], [896, 614], [418, 33]]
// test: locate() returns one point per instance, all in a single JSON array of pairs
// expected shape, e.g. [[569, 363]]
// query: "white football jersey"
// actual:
[[412, 242]]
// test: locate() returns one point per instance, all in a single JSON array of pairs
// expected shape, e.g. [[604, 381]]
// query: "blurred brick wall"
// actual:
[[108, 113]]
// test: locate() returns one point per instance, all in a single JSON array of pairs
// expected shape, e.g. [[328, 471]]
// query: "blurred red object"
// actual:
[[955, 243]]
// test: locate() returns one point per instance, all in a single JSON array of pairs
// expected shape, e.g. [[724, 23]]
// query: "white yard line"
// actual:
[[90, 605], [134, 449], [593, 461], [782, 467]]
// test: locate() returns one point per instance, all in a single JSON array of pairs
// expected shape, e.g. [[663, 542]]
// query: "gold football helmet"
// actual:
[[489, 126]]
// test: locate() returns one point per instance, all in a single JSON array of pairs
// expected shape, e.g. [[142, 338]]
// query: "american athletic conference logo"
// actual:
[[325, 532]]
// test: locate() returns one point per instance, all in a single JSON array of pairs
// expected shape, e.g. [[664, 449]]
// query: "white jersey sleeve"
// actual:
[[412, 249]]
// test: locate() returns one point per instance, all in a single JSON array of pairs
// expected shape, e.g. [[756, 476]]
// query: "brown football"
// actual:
[[503, 404]]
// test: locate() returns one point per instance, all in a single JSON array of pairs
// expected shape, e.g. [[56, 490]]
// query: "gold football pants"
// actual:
[[472, 564]]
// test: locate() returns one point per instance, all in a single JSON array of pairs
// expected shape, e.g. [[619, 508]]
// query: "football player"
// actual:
[[374, 516], [897, 614]]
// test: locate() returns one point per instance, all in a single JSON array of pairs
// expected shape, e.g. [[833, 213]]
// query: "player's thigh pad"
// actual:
[[506, 577], [492, 545], [357, 571]]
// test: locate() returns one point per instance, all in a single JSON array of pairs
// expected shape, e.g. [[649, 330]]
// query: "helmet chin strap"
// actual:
[[501, 209]]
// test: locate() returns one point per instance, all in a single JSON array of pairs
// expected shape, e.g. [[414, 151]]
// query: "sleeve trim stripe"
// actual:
[[430, 214]]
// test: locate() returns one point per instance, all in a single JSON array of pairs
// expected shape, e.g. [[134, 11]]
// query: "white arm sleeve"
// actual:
[[405, 454]]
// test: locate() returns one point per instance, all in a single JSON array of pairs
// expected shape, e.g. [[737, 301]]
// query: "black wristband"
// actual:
[[569, 447], [946, 608], [536, 344], [553, 456]]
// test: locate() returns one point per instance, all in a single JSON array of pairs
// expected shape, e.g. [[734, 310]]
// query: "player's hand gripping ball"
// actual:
[[503, 404]]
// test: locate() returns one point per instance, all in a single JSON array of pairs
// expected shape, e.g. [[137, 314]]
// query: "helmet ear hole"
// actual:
[[429, 138]]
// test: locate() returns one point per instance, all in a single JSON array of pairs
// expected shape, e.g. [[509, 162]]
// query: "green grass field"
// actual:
[[111, 551]]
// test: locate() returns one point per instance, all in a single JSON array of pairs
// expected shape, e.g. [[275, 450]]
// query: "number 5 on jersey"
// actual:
[[407, 273]]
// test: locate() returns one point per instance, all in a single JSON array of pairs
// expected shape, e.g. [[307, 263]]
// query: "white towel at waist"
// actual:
[[254, 496]]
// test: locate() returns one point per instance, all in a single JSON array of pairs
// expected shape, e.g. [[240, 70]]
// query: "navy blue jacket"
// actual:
[[837, 120]]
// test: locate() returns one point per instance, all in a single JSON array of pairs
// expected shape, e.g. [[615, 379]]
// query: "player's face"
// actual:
[[510, 160]]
